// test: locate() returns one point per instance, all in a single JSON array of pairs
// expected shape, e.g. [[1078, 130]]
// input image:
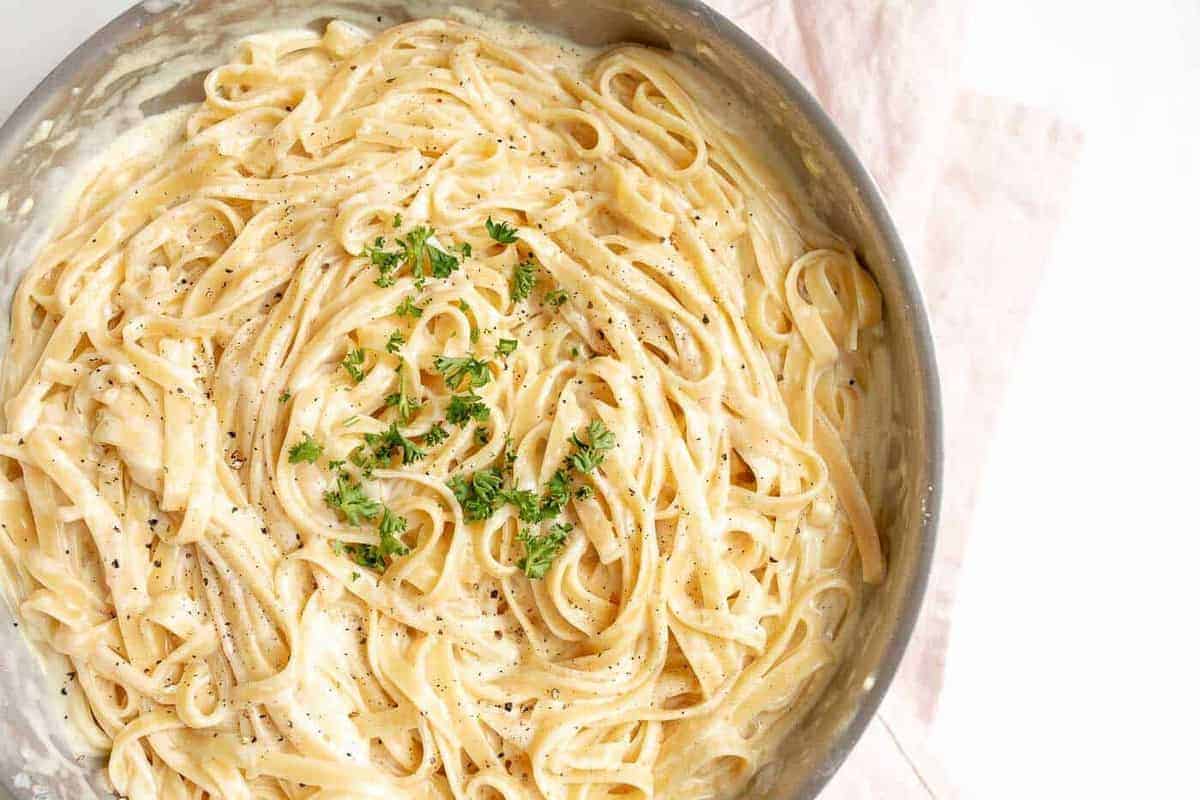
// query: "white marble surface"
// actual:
[[1047, 186]]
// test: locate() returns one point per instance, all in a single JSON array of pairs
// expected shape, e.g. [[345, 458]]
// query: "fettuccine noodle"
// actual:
[[432, 416]]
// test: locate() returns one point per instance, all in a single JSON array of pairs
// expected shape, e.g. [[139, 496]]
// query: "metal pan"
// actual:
[[83, 102]]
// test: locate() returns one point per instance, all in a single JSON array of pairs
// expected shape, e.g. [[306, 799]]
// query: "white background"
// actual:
[[1074, 656]]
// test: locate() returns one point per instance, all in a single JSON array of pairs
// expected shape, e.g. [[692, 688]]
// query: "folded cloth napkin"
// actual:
[[962, 173]]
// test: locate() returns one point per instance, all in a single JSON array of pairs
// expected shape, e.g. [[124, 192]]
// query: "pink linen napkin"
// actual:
[[962, 175]]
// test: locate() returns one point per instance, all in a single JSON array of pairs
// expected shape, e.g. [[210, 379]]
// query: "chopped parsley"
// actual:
[[351, 501], [466, 407], [481, 436], [468, 368], [284, 396], [406, 407], [353, 362], [528, 507], [556, 493], [385, 260], [589, 455], [479, 494], [501, 232], [390, 526], [436, 435], [555, 297], [523, 280], [373, 556], [583, 492], [506, 347], [307, 450], [541, 550], [378, 450], [413, 250], [464, 250], [441, 263], [395, 343], [409, 309]]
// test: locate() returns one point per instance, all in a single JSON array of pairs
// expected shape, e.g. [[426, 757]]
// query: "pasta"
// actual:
[[440, 414]]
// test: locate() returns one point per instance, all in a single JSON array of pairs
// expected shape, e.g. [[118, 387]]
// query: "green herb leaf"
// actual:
[[478, 494], [395, 343], [436, 435], [481, 436], [353, 363], [385, 260], [523, 280], [528, 507], [390, 528], [506, 347], [307, 450], [406, 407], [466, 407], [541, 550], [351, 501], [409, 308], [468, 368], [589, 455], [442, 264], [556, 493], [583, 492], [284, 396], [555, 297], [502, 232]]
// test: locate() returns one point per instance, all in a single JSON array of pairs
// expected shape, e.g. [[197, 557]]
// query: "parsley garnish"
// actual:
[[373, 556], [466, 407], [469, 368], [417, 252], [350, 499], [464, 250], [540, 551], [479, 494], [284, 396], [441, 263], [353, 363], [395, 343], [556, 494], [528, 507], [555, 297], [523, 281], [409, 308], [583, 492], [406, 407], [386, 260], [307, 449], [481, 436], [409, 452], [590, 455], [436, 435], [502, 232], [378, 449], [506, 347], [390, 525]]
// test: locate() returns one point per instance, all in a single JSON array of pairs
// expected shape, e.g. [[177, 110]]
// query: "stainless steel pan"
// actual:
[[81, 101]]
